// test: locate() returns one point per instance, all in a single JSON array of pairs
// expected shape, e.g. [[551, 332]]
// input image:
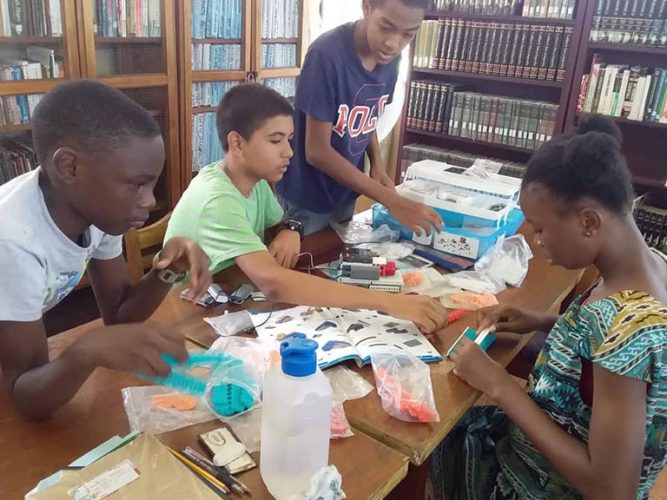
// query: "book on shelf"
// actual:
[[416, 152], [39, 63], [280, 19], [555, 9], [278, 55], [652, 224], [531, 51], [17, 110], [285, 86], [638, 22], [209, 93], [619, 90], [213, 56], [30, 18], [451, 109], [217, 19], [206, 147], [17, 156], [127, 18]]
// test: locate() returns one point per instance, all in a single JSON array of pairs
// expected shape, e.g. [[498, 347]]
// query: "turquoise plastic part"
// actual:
[[226, 399]]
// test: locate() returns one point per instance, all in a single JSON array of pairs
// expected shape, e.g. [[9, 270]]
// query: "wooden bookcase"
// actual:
[[145, 67], [644, 143], [250, 68], [556, 92]]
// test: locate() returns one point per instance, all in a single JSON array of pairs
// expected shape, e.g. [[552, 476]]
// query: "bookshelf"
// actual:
[[38, 50], [493, 76], [213, 57], [134, 49], [644, 141]]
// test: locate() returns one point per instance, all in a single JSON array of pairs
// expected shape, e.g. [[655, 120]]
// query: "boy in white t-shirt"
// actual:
[[100, 155]]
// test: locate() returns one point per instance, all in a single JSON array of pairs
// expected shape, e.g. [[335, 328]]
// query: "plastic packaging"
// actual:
[[340, 427], [468, 300], [356, 232], [345, 384], [247, 427], [475, 281], [391, 251], [403, 383], [507, 261], [143, 415], [296, 419], [228, 324]]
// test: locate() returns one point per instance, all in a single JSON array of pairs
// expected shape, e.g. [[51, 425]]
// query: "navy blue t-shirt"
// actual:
[[335, 87]]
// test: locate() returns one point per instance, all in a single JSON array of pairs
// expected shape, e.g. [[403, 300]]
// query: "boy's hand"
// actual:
[[185, 255], [285, 247], [131, 347], [418, 218], [429, 314], [477, 369], [379, 173]]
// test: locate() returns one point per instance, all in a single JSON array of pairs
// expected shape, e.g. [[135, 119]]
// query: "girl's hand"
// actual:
[[477, 369]]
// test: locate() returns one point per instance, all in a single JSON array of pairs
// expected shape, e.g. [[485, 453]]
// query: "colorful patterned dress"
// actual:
[[486, 456]]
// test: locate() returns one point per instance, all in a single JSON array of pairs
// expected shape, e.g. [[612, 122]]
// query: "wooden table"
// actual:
[[544, 289], [33, 451]]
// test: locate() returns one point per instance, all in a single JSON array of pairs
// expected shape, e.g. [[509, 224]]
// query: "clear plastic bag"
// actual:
[[422, 280], [356, 232], [144, 416], [228, 324], [247, 428], [346, 384], [391, 251], [507, 260], [468, 300], [340, 427], [403, 382], [475, 281]]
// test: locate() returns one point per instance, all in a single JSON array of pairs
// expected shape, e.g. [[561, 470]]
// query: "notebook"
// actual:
[[343, 334]]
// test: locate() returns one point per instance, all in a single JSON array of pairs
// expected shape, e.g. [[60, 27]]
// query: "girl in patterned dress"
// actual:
[[593, 421]]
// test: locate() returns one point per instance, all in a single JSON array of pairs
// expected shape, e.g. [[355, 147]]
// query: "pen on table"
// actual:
[[216, 471], [455, 315], [211, 481]]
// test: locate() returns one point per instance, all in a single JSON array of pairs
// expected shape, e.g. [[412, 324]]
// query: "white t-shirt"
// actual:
[[39, 265]]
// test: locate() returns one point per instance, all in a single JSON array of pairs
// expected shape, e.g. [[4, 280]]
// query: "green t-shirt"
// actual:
[[224, 223]]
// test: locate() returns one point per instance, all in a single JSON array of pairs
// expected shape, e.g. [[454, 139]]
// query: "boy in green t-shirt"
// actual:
[[229, 206]]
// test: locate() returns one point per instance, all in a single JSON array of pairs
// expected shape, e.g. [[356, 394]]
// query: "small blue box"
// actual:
[[484, 339]]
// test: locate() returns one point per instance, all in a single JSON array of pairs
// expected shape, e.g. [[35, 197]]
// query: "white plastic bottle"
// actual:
[[296, 419]]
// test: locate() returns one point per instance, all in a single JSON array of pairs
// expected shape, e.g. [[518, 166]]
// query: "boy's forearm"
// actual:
[[141, 300], [373, 150], [38, 392], [336, 166], [298, 288]]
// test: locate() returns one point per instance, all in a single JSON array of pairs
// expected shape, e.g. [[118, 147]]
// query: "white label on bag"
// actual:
[[456, 244], [106, 483]]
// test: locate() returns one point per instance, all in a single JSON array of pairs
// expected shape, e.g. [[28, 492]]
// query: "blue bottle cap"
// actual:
[[298, 355]]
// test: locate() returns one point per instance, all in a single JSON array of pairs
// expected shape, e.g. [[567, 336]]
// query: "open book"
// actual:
[[343, 334]]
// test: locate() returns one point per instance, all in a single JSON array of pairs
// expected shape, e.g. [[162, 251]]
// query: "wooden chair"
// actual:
[[141, 245]]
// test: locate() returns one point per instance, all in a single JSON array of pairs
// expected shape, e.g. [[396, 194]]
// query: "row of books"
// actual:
[[17, 110], [128, 18], [631, 92], [450, 109], [556, 9], [285, 86], [639, 22], [40, 63], [209, 93], [505, 49], [652, 223], [278, 55], [30, 18], [280, 18], [206, 147], [207, 56], [417, 152], [17, 157], [217, 18]]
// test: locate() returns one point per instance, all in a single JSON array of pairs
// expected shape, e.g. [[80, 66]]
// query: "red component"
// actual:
[[388, 269], [455, 315]]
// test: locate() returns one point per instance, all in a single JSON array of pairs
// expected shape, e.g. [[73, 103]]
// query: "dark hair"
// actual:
[[420, 4], [585, 163], [89, 115], [246, 107]]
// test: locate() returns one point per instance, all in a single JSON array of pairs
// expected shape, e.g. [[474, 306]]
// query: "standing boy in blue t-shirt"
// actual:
[[347, 79]]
